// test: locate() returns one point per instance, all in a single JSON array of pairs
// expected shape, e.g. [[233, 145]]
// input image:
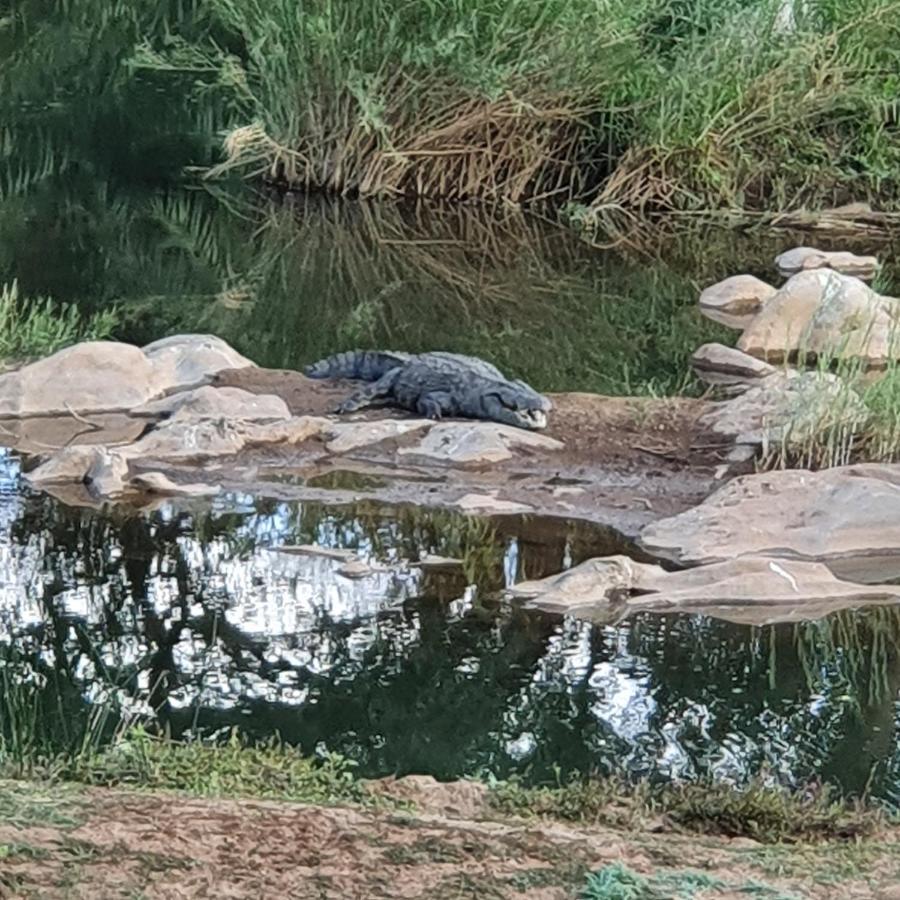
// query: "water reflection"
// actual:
[[197, 618]]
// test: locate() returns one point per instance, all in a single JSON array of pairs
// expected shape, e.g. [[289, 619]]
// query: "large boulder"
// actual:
[[107, 376], [736, 300], [751, 590], [89, 377], [189, 360], [823, 313], [801, 259], [847, 518]]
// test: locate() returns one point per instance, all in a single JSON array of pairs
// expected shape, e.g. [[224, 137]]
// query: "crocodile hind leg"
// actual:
[[375, 394]]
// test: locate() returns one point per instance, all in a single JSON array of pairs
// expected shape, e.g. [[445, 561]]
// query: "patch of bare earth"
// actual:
[[130, 845]]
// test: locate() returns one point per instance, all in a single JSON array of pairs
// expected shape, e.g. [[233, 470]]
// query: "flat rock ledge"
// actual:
[[748, 590], [847, 518]]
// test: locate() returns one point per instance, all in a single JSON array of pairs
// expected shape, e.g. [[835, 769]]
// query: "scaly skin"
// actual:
[[436, 385]]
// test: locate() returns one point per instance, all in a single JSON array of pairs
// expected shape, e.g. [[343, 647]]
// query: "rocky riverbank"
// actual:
[[187, 418]]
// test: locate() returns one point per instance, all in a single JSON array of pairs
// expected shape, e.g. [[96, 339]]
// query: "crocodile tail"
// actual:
[[364, 365]]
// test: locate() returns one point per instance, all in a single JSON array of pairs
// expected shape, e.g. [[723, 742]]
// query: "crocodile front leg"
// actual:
[[371, 394]]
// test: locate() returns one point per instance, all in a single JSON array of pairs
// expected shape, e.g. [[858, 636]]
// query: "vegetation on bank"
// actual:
[[595, 105], [654, 105], [38, 327]]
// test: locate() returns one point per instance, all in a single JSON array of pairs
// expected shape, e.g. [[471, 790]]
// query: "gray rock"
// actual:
[[461, 443], [199, 439], [736, 300], [751, 590], [209, 402], [160, 484], [717, 364], [789, 409], [344, 437], [802, 259], [489, 504], [847, 518], [189, 360]]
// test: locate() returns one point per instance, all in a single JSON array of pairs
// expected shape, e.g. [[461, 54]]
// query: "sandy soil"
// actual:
[[99, 844]]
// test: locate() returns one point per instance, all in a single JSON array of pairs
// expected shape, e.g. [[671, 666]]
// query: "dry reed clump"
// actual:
[[496, 150], [651, 106]]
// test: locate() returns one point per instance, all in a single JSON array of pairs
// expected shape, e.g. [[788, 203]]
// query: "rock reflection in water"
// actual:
[[196, 616]]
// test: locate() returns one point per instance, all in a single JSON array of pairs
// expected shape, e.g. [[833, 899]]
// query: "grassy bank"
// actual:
[[595, 105], [655, 105]]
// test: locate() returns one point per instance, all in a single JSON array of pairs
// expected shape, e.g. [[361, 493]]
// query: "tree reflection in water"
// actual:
[[193, 618]]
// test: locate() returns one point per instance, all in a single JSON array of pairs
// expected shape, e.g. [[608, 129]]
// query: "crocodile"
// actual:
[[435, 385]]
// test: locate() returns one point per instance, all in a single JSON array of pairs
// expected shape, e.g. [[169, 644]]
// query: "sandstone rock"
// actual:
[[847, 517], [824, 313], [788, 409], [160, 484], [178, 441], [209, 402], [751, 590], [107, 475], [40, 434], [460, 443], [488, 503], [343, 437], [594, 582], [188, 360], [70, 464], [429, 562], [93, 376], [197, 439], [736, 300], [335, 553], [106, 376], [804, 258], [720, 365]]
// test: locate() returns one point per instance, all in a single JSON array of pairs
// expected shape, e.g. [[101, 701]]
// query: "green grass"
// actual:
[[38, 327], [232, 769], [762, 813], [618, 882], [595, 105], [686, 105]]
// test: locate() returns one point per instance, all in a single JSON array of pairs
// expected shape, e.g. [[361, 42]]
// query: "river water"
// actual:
[[193, 619]]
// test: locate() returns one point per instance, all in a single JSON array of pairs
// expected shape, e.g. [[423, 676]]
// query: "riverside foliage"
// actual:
[[647, 105]]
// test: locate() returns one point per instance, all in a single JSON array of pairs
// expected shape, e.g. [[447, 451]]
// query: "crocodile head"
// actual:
[[515, 403]]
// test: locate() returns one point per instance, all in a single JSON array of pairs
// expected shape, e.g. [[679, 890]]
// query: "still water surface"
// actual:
[[194, 620]]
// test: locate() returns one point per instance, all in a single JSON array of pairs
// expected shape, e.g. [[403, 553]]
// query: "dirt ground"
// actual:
[[620, 431], [69, 842]]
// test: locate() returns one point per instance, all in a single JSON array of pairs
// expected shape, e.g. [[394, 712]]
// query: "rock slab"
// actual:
[[847, 518], [801, 259], [751, 590]]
